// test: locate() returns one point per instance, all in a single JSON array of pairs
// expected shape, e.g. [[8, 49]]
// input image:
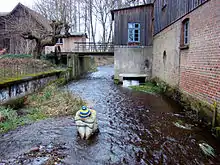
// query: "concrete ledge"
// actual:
[[130, 75]]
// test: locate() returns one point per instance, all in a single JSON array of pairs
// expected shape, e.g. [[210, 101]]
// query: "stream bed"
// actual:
[[135, 128]]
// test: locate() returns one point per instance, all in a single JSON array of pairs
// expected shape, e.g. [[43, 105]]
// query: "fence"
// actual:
[[93, 47], [14, 68]]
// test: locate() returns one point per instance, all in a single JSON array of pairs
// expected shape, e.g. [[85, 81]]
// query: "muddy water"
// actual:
[[135, 128]]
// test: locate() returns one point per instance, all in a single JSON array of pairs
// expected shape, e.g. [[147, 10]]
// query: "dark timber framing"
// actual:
[[142, 15], [172, 12]]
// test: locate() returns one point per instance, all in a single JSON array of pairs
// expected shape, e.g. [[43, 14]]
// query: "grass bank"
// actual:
[[148, 87], [50, 102]]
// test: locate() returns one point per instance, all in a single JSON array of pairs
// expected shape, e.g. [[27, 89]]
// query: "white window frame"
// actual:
[[132, 28], [164, 3]]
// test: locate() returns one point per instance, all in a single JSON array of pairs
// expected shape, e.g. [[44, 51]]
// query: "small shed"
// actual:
[[133, 41], [67, 44]]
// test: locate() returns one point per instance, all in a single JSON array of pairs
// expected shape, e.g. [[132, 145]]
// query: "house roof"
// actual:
[[38, 17], [78, 34], [74, 34], [128, 8]]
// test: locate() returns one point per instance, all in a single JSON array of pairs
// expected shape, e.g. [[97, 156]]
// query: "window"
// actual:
[[185, 38], [133, 32], [186, 32], [59, 41]]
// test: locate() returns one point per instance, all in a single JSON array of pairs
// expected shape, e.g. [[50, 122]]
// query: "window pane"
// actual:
[[137, 34], [130, 35], [186, 32], [186, 41], [130, 25], [137, 25]]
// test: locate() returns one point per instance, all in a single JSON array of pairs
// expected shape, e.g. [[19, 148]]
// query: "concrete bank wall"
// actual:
[[135, 60], [19, 88], [79, 65]]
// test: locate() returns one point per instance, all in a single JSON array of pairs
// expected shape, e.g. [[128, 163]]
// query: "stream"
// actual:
[[135, 128]]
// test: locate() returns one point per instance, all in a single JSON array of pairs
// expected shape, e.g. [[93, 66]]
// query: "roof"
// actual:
[[128, 8], [74, 34], [78, 34], [38, 17]]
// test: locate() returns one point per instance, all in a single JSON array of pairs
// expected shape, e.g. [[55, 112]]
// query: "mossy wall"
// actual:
[[79, 65], [17, 88], [203, 109]]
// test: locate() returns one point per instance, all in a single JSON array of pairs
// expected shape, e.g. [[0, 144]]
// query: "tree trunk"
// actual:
[[91, 23], [37, 50]]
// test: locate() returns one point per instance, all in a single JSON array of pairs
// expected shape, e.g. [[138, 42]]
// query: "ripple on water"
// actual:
[[135, 128]]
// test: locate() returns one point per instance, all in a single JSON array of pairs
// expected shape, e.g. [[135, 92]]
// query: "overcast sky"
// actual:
[[8, 5]]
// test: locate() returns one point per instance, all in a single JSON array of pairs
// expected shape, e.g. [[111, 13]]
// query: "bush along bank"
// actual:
[[200, 111], [49, 102]]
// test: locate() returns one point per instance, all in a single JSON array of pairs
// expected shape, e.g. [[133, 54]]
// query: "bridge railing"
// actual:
[[93, 47]]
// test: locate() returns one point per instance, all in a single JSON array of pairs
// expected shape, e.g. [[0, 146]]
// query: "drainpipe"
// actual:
[[179, 69]]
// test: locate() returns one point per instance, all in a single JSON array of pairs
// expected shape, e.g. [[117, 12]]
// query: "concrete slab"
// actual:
[[132, 75]]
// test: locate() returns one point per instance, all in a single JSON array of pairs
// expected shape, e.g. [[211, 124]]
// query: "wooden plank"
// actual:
[[173, 11], [140, 15]]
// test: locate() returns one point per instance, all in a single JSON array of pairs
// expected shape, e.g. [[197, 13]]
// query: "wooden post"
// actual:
[[214, 115]]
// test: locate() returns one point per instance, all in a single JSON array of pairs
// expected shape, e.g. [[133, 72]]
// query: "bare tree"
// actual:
[[30, 25], [85, 15], [59, 10]]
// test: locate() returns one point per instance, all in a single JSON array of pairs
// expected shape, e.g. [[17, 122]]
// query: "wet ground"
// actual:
[[135, 128]]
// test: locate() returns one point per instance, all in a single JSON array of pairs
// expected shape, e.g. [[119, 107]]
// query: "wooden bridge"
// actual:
[[93, 49]]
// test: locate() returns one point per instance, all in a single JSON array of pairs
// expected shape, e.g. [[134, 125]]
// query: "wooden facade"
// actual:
[[167, 12], [139, 14], [21, 19]]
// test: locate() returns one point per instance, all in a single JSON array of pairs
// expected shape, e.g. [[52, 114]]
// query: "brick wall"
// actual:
[[199, 74], [200, 64]]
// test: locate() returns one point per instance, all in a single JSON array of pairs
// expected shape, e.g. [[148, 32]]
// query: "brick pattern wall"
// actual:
[[200, 64]]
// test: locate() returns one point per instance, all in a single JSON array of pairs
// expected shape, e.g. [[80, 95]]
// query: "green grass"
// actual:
[[148, 87], [13, 120], [20, 77], [50, 102]]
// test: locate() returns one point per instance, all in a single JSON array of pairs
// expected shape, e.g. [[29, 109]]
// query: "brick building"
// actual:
[[186, 45]]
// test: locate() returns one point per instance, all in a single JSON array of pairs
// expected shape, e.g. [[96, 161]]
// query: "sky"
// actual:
[[8, 5]]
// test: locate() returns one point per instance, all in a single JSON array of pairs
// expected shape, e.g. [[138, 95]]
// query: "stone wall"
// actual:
[[79, 65], [22, 87], [135, 60]]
